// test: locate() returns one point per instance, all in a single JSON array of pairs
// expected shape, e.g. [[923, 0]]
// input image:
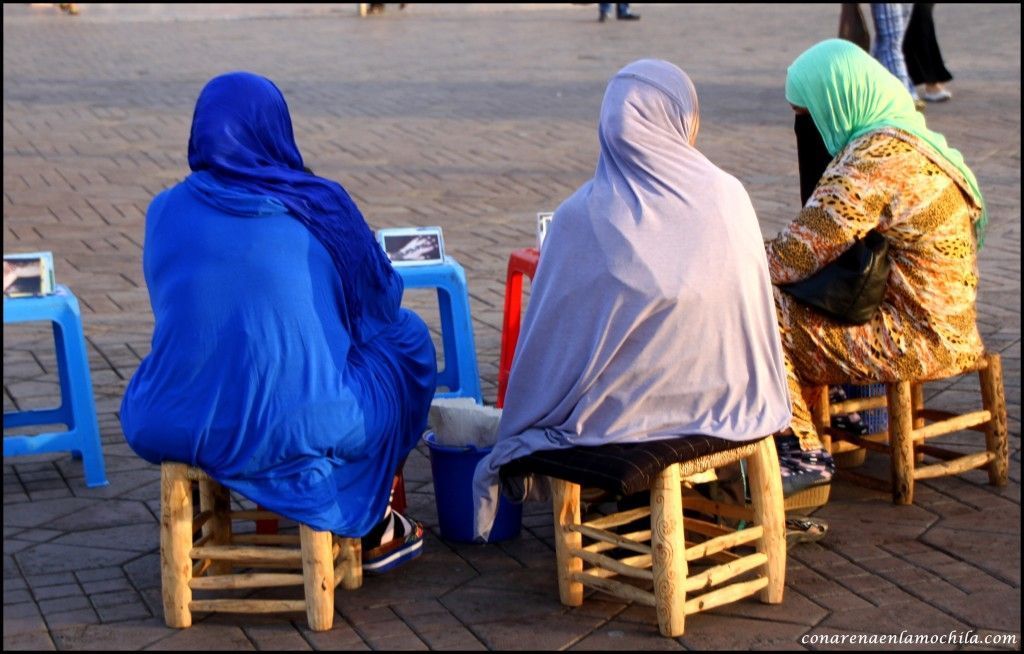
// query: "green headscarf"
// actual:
[[849, 93]]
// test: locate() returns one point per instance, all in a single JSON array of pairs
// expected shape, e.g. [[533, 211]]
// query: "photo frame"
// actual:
[[412, 246], [27, 275], [544, 219]]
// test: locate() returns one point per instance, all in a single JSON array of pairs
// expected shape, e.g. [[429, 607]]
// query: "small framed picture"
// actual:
[[412, 246], [543, 221], [29, 274]]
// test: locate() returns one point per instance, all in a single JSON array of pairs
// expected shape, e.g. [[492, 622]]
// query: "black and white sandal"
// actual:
[[394, 541]]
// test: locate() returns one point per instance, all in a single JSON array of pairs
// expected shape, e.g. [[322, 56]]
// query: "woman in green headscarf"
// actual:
[[890, 173]]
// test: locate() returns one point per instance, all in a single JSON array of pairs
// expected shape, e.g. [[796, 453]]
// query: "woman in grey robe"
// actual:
[[651, 313]]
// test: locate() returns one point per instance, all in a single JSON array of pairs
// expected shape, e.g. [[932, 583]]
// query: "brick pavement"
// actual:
[[473, 118]]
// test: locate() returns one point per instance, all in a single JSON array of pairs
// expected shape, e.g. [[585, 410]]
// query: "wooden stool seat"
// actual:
[[199, 551], [911, 425], [660, 554]]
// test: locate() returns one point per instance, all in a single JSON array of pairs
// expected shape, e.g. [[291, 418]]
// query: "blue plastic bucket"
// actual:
[[877, 420], [453, 469]]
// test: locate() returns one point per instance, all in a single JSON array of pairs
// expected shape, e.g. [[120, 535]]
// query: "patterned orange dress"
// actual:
[[894, 182]]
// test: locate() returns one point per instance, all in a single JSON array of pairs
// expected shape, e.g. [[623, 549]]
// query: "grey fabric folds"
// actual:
[[651, 314]]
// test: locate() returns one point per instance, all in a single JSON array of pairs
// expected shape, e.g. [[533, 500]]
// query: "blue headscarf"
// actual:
[[242, 136]]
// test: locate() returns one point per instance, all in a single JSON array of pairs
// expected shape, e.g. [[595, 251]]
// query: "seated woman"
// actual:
[[651, 312], [889, 173], [281, 362]]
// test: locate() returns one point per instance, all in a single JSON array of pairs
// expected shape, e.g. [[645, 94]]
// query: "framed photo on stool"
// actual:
[[412, 246], [543, 222]]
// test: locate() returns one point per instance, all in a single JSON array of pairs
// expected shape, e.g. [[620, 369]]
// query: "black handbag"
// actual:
[[851, 288]]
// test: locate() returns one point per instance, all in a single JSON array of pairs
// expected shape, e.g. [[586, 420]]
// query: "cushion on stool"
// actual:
[[621, 469]]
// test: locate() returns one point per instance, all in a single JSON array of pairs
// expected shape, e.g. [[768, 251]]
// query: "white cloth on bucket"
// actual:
[[651, 313], [460, 421]]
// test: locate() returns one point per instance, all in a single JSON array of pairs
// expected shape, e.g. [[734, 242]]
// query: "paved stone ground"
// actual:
[[473, 118]]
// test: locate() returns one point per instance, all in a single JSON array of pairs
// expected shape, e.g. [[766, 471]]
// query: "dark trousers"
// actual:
[[921, 48]]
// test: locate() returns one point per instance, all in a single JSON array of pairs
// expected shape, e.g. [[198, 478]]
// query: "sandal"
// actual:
[[396, 540], [804, 529]]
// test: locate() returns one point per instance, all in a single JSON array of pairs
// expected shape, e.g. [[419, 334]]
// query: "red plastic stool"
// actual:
[[521, 262]]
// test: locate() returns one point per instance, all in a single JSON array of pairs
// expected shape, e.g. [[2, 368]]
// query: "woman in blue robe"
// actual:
[[282, 363]]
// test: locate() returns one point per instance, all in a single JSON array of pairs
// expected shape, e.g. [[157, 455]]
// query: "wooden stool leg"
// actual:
[[565, 500], [175, 544], [318, 577], [351, 565], [917, 405], [993, 396], [901, 441], [766, 496], [214, 497], [669, 552], [817, 401]]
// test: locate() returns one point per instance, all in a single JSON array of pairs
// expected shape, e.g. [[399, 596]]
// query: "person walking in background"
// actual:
[[621, 11], [923, 57], [891, 19]]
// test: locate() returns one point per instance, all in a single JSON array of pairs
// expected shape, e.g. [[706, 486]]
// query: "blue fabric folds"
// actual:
[[282, 362]]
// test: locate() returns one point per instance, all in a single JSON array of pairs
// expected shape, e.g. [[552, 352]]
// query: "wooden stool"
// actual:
[[206, 563], [662, 554], [911, 424]]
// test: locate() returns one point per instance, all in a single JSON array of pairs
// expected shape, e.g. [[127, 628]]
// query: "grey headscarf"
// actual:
[[651, 314]]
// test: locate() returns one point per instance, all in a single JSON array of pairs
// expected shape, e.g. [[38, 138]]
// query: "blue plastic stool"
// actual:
[[460, 375], [77, 409]]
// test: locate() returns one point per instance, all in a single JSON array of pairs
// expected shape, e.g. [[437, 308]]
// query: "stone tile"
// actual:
[[63, 604], [114, 598], [93, 588], [122, 482], [625, 636], [407, 642], [16, 595], [454, 638], [999, 555], [51, 557], [36, 581], [341, 637], [278, 636], [99, 574], [30, 640], [13, 545], [205, 636], [894, 618], [546, 632], [133, 538], [144, 572], [795, 609], [124, 636], [36, 513], [22, 618], [73, 618], [996, 610], [134, 610], [38, 535], [53, 592], [475, 605], [111, 513], [716, 632]]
